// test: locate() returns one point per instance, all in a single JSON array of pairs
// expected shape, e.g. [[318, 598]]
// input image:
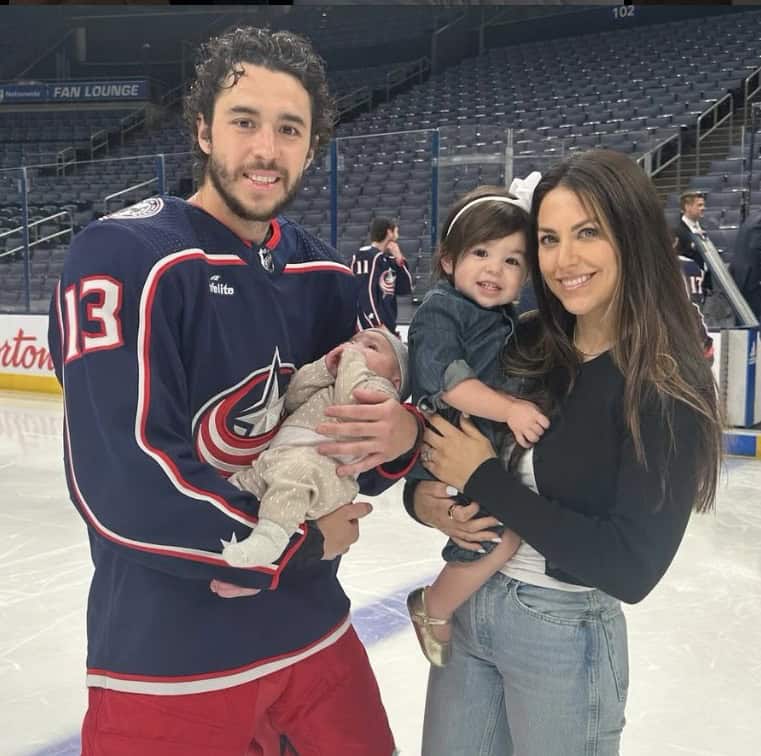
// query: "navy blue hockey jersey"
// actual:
[[380, 280], [693, 277], [174, 341]]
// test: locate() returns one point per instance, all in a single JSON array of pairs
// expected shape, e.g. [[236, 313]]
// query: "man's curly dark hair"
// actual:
[[280, 51]]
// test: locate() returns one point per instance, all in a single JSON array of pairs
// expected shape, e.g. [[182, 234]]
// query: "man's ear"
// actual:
[[310, 154], [203, 134]]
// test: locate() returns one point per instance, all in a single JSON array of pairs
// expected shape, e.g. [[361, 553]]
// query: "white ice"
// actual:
[[695, 642]]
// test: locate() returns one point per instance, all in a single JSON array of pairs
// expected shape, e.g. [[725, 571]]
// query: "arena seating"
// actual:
[[557, 96]]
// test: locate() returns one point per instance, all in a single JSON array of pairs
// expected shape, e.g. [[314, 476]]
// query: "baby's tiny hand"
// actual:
[[230, 590], [333, 357], [526, 421]]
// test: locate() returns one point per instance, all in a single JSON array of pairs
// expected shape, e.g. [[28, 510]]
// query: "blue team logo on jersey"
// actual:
[[234, 427]]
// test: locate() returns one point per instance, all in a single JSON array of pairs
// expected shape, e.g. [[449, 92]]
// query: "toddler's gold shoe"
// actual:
[[437, 652]]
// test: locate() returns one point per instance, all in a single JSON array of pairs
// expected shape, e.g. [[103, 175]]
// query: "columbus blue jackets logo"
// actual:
[[388, 283], [234, 427], [145, 209]]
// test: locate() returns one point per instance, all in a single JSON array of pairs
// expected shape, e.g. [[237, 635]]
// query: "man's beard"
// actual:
[[220, 178]]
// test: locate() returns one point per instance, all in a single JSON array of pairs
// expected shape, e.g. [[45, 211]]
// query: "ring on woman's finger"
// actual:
[[426, 454], [450, 511]]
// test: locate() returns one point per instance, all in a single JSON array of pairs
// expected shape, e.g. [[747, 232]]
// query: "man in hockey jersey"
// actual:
[[694, 242], [690, 236], [175, 329], [383, 273], [692, 274]]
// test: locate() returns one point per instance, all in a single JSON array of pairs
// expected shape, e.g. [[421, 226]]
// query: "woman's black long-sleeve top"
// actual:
[[600, 519]]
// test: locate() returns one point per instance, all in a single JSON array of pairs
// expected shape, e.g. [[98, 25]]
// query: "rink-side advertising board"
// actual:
[[742, 443], [25, 365], [739, 381], [25, 362]]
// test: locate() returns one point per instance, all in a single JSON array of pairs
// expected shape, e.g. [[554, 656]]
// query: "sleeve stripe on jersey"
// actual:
[[406, 269], [371, 290], [182, 552], [311, 267], [89, 515], [166, 463]]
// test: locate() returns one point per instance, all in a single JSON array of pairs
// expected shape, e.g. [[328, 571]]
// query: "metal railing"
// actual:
[[40, 239], [98, 141], [755, 121], [132, 121], [751, 85], [439, 43], [357, 98], [172, 96], [64, 158], [662, 155], [404, 72], [710, 119], [49, 48], [129, 189]]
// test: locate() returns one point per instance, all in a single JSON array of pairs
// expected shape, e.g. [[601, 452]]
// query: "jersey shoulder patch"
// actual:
[[157, 226], [146, 208]]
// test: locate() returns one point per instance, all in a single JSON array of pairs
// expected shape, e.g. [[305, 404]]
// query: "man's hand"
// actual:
[[340, 528], [379, 429]]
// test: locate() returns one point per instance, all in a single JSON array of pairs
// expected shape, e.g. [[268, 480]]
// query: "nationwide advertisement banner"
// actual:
[[74, 91]]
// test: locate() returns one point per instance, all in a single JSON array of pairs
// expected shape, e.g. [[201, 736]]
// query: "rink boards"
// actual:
[[25, 365]]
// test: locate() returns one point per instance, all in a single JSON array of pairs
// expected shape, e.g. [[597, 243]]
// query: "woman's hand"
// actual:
[[435, 507], [454, 454]]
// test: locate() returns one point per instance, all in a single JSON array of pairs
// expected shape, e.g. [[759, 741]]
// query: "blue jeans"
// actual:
[[534, 672]]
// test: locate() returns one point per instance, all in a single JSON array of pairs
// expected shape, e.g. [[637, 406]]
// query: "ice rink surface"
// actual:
[[695, 642]]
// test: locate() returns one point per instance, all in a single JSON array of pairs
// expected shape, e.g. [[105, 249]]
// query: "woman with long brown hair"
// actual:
[[539, 661]]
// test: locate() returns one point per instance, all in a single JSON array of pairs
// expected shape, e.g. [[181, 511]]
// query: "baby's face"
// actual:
[[378, 353], [491, 273]]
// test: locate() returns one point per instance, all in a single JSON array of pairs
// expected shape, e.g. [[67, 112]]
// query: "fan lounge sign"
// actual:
[[74, 91]]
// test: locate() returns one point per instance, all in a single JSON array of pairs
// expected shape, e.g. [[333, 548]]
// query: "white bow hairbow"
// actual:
[[523, 189]]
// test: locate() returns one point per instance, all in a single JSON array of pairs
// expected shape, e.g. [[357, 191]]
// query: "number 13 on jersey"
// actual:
[[102, 300]]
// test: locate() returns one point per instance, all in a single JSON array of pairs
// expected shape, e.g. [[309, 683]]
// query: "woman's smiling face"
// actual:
[[577, 259]]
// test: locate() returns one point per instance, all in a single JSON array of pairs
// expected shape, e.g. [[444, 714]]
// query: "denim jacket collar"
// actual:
[[507, 311]]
